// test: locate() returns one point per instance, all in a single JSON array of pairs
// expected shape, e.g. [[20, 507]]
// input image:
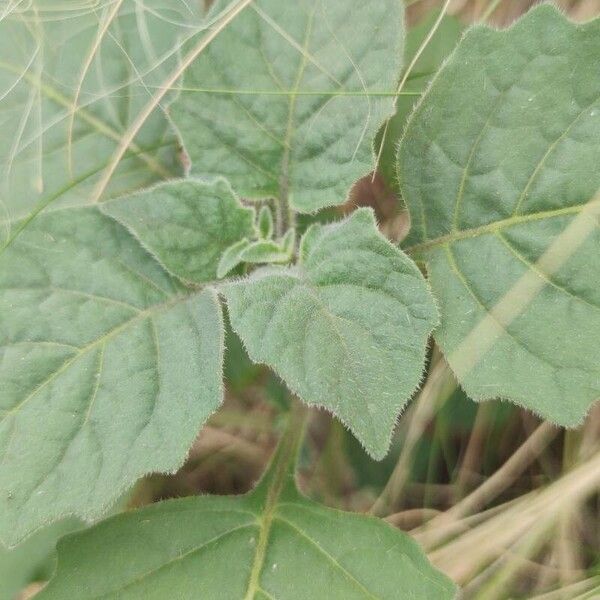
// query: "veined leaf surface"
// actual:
[[74, 77], [346, 328], [271, 543], [108, 368], [502, 185], [287, 100]]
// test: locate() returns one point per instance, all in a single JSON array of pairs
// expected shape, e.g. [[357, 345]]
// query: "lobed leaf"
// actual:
[[502, 185], [271, 543], [346, 328], [287, 100], [108, 368], [186, 224]]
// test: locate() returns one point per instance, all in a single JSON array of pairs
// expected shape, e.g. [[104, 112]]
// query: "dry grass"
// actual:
[[507, 10]]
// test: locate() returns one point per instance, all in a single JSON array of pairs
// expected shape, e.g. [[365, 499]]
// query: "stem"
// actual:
[[526, 518], [280, 217], [284, 215], [505, 476], [281, 468]]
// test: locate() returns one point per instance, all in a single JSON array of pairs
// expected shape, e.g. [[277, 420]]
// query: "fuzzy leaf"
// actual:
[[265, 223], [265, 251], [231, 258], [502, 184], [346, 329], [103, 356], [284, 546], [287, 100], [186, 224]]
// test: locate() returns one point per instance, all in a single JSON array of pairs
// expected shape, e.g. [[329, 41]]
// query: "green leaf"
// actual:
[[265, 251], [288, 241], [502, 186], [73, 81], [103, 356], [34, 560], [265, 223], [437, 50], [283, 545], [346, 329], [231, 258], [287, 100], [186, 224]]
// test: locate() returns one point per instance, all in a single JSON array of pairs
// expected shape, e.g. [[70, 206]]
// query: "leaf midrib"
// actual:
[[284, 180], [303, 279], [492, 228], [266, 519]]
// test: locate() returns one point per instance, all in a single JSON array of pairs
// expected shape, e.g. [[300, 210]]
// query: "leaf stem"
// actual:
[[280, 470]]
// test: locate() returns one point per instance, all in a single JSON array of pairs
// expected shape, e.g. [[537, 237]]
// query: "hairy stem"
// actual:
[[283, 462]]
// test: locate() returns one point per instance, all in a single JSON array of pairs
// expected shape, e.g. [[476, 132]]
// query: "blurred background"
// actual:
[[506, 505]]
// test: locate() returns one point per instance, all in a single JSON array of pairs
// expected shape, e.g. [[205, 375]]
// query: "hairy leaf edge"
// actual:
[[425, 342], [545, 7], [95, 516]]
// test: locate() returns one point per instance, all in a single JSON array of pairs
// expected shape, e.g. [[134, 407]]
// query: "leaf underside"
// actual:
[[287, 100], [271, 543], [346, 328], [100, 363], [502, 186]]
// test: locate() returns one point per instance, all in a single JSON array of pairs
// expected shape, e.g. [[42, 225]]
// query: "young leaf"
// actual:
[[502, 185], [287, 100], [265, 251], [271, 543], [288, 241], [108, 368], [346, 329], [72, 81], [186, 224], [231, 258], [265, 223]]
